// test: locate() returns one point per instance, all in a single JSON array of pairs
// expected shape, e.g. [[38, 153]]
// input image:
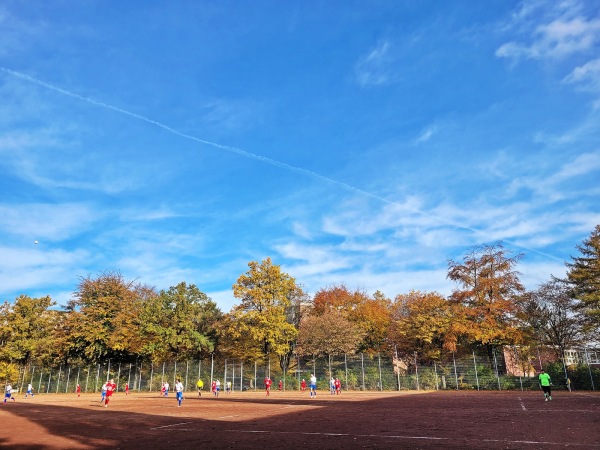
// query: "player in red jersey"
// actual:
[[126, 388], [78, 390], [110, 388], [303, 385], [268, 383], [338, 386]]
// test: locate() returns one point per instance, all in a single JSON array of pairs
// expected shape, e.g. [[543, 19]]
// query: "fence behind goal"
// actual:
[[366, 372]]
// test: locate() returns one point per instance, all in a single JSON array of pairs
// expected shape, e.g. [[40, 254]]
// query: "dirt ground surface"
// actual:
[[250, 420]]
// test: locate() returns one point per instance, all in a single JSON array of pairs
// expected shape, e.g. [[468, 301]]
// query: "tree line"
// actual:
[[109, 317]]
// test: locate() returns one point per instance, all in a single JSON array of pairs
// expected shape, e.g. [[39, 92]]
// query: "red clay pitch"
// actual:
[[249, 420]]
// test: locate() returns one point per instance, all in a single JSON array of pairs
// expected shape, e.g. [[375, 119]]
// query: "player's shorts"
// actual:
[[179, 395], [8, 394], [313, 386], [546, 389], [29, 392]]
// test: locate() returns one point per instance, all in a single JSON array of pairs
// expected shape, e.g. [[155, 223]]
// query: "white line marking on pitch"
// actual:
[[172, 425], [432, 438], [522, 405]]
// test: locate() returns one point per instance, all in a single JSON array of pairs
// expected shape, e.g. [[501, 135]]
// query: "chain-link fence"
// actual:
[[509, 368]]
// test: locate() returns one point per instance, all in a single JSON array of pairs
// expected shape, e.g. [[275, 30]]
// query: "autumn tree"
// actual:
[[584, 278], [492, 294], [373, 318], [262, 319], [552, 318], [371, 315], [26, 329], [422, 322], [179, 323], [104, 318], [336, 297], [328, 334]]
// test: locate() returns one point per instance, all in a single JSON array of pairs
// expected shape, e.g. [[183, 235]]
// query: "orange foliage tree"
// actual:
[[370, 315], [491, 295], [423, 322]]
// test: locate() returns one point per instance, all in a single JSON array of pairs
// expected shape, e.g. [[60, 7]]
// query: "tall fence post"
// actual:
[[564, 358], [58, 380], [298, 370], [187, 364], [437, 385], [23, 378], [496, 366], [40, 382], [476, 374], [212, 367], [362, 364], [396, 365], [199, 368], [140, 382], [87, 378], [346, 369], [587, 360], [174, 374], [68, 378], [455, 373], [518, 364], [417, 372], [380, 377]]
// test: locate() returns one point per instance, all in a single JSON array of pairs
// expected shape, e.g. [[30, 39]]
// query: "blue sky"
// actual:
[[356, 142]]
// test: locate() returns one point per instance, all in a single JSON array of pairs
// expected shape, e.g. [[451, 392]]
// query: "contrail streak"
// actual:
[[256, 157]]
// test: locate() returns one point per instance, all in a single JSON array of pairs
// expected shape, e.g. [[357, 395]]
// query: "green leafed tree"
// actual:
[[179, 324], [583, 276]]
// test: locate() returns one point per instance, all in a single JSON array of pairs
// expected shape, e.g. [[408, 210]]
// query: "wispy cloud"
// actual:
[[587, 76], [557, 37], [38, 221], [378, 67], [426, 134]]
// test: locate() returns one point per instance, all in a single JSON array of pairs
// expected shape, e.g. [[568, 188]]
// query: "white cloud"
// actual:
[[426, 135], [378, 67], [586, 76], [559, 36], [38, 221]]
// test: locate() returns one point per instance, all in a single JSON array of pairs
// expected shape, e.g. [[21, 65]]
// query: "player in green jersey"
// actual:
[[545, 383]]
